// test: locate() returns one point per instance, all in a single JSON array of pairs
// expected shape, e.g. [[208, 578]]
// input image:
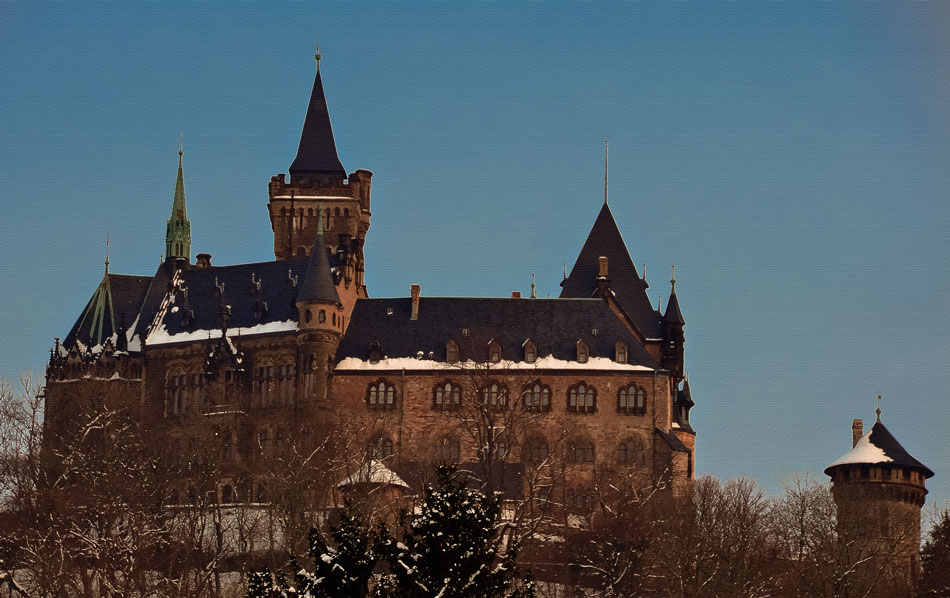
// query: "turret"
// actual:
[[673, 337], [320, 320], [879, 489], [178, 228]]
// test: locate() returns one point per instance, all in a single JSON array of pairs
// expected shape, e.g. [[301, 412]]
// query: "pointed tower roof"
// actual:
[[879, 447], [605, 240], [116, 300], [316, 154], [673, 314], [317, 284], [179, 209], [178, 227]]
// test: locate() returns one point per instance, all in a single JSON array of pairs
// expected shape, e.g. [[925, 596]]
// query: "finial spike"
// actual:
[[107, 253], [644, 270], [606, 161], [565, 270], [180, 143], [673, 279], [316, 52], [878, 410]]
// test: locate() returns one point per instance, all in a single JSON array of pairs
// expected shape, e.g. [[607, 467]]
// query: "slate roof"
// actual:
[[879, 446], [605, 240], [316, 154], [242, 293], [554, 325], [116, 302], [671, 441], [317, 282], [673, 313]]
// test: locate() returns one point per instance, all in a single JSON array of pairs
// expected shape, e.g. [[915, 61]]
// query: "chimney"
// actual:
[[414, 295], [857, 431], [602, 261], [203, 260], [516, 294]]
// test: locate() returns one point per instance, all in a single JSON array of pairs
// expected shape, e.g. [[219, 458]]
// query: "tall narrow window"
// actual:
[[530, 352], [381, 395], [448, 450], [582, 352], [620, 352], [381, 448], [494, 351], [495, 396], [582, 398], [537, 397], [632, 400], [447, 395]]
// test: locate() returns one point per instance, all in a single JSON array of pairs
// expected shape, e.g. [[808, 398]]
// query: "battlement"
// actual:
[[355, 186]]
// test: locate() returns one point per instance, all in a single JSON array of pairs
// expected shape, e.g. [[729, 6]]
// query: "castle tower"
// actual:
[[673, 337], [178, 229], [320, 192], [879, 489], [320, 321]]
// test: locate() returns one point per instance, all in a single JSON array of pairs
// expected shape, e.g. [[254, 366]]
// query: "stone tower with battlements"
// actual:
[[879, 489]]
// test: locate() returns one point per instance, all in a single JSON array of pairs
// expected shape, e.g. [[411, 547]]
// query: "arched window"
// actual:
[[632, 400], [620, 352], [336, 212], [346, 212], [451, 351], [494, 396], [494, 351], [448, 450], [536, 397], [322, 316], [629, 451], [535, 450], [381, 448], [227, 494], [582, 398], [309, 212], [447, 395], [580, 450], [580, 500], [308, 316], [381, 395], [530, 352], [582, 352]]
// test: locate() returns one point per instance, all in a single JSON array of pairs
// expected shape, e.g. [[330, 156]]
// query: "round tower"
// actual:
[[879, 489], [320, 324]]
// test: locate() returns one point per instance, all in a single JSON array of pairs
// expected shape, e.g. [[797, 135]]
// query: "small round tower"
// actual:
[[879, 489]]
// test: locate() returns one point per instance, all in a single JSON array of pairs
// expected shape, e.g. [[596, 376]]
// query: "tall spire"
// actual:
[[606, 161], [316, 154], [673, 313], [178, 229]]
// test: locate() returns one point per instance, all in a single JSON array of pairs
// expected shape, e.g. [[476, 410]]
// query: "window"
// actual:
[[580, 500], [448, 450], [381, 395], [580, 451], [261, 492], [632, 400], [530, 352], [494, 351], [451, 351], [227, 494], [620, 352], [447, 395], [535, 451], [322, 316], [308, 316], [582, 352], [537, 397], [582, 398], [381, 448], [629, 451], [495, 396]]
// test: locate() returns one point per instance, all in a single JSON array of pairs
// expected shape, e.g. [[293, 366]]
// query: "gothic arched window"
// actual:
[[451, 351], [447, 395], [536, 397], [582, 398], [381, 395], [381, 448], [535, 450], [632, 400], [580, 450], [494, 396], [448, 449]]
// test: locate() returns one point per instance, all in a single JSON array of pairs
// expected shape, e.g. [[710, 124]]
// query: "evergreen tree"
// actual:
[[451, 547], [340, 571], [935, 560]]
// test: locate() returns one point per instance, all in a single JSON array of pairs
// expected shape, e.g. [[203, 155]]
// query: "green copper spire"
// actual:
[[178, 230]]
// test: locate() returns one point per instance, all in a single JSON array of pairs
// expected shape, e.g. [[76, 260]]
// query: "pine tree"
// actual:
[[451, 548], [935, 560], [343, 570]]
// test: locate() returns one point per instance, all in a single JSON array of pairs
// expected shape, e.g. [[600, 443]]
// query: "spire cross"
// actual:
[[606, 162], [878, 410]]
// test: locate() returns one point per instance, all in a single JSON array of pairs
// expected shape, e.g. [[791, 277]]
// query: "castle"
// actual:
[[276, 353]]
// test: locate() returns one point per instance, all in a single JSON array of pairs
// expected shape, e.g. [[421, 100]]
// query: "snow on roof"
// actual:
[[374, 472], [543, 363], [864, 453]]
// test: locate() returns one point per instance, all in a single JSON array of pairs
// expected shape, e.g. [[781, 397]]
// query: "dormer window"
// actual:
[[494, 351], [375, 352], [583, 353], [451, 351], [530, 352], [620, 352]]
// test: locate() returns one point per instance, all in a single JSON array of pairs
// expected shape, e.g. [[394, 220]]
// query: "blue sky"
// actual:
[[792, 158]]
